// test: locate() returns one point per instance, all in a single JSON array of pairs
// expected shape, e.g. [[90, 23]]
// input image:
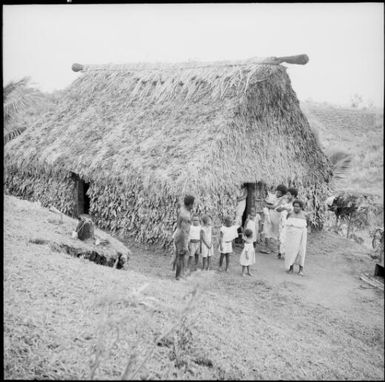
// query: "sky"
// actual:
[[344, 41]]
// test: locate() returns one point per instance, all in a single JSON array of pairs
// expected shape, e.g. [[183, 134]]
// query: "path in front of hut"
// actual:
[[332, 270], [330, 306]]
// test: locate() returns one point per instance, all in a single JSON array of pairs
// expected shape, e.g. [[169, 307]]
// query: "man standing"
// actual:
[[181, 237]]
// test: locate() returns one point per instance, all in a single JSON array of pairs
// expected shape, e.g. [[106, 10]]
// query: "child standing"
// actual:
[[252, 223], [206, 242], [195, 241], [228, 233], [248, 254]]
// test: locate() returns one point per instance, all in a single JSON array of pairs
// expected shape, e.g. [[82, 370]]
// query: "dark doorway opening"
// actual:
[[86, 198], [250, 201], [82, 200]]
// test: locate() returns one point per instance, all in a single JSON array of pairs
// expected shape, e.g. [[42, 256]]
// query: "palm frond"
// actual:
[[18, 96], [13, 134]]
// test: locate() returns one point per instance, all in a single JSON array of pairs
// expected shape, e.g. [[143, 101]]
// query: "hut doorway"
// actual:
[[250, 201], [256, 193], [82, 200]]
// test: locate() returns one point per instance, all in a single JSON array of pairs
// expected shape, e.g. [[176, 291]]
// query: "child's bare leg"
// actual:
[[196, 260], [221, 260], [208, 263], [227, 261], [203, 263], [267, 250], [243, 270], [189, 263], [179, 266], [248, 270]]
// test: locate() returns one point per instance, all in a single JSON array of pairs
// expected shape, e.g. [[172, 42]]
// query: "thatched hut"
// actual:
[[127, 141]]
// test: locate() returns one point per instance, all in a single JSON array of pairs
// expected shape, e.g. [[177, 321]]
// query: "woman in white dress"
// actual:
[[296, 238]]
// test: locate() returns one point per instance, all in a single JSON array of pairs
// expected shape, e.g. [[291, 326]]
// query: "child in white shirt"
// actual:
[[207, 249], [248, 254], [194, 241], [228, 233]]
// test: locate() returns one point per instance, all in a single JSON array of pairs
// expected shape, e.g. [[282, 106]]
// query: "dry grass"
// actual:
[[177, 130], [357, 132], [67, 318]]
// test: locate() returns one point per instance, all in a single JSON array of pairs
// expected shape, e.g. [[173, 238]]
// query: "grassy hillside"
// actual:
[[69, 318], [358, 132]]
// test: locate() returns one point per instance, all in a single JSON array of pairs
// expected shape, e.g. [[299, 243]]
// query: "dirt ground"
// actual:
[[68, 318]]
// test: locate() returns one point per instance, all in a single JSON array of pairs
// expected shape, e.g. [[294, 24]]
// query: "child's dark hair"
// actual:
[[248, 232], [188, 200], [293, 191], [227, 219], [205, 219], [282, 188], [299, 202]]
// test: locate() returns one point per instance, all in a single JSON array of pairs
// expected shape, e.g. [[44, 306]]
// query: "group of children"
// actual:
[[201, 242], [258, 227]]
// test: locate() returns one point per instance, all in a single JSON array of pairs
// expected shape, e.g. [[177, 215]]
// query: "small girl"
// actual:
[[228, 233], [252, 223], [195, 241], [248, 254], [206, 242]]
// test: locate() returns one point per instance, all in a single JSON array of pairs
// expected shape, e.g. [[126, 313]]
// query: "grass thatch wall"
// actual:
[[143, 136], [50, 189]]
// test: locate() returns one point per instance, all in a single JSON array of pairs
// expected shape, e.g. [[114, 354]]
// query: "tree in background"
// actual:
[[22, 105], [356, 101]]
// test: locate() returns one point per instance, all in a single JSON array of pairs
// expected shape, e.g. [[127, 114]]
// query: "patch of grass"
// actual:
[[357, 132], [65, 318]]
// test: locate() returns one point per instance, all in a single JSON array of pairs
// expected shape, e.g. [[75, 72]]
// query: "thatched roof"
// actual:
[[199, 127]]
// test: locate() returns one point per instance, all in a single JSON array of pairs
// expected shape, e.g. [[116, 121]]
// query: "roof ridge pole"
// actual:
[[300, 59]]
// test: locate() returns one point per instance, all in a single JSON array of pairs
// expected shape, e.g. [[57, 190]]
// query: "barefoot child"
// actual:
[[252, 223], [228, 233], [206, 242], [248, 254], [195, 241]]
